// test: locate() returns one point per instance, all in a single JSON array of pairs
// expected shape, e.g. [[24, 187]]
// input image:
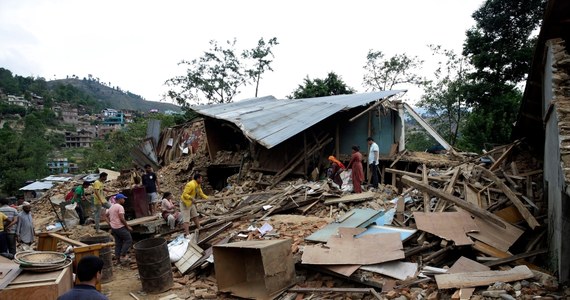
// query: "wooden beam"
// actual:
[[416, 175], [371, 107], [425, 194], [326, 290], [428, 128], [474, 279], [503, 156], [457, 201], [532, 222], [509, 259]]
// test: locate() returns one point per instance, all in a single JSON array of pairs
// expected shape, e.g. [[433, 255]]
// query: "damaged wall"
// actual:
[[556, 97]]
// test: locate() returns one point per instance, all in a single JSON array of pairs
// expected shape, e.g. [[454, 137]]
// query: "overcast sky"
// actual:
[[138, 44]]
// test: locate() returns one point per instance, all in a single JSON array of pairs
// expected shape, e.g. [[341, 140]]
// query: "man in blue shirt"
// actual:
[[89, 273]]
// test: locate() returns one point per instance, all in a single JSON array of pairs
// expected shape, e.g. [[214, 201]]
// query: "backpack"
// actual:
[[70, 194]]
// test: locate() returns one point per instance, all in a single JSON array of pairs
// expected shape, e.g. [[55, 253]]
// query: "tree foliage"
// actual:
[[262, 57], [219, 73], [444, 97], [500, 45], [500, 48], [384, 74], [331, 85]]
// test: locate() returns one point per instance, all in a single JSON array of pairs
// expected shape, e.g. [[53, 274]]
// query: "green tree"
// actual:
[[444, 98], [216, 75], [331, 85], [262, 56], [500, 48], [384, 74]]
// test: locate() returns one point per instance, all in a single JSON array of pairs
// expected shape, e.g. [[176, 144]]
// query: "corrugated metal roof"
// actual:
[[37, 186], [270, 121]]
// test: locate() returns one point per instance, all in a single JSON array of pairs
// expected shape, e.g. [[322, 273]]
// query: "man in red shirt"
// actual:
[[120, 229]]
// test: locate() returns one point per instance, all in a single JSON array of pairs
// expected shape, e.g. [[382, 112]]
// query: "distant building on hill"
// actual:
[[80, 139], [19, 101], [62, 166], [69, 115]]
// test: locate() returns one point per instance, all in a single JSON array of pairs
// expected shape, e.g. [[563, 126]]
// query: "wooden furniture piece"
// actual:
[[39, 286], [47, 241]]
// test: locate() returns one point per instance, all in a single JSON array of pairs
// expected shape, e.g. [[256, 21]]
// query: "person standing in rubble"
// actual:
[[25, 229], [336, 168], [79, 198], [120, 229], [10, 228], [169, 213], [357, 171], [373, 156], [152, 186], [99, 200], [188, 207]]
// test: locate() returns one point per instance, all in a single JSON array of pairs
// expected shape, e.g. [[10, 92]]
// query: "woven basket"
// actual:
[[40, 258]]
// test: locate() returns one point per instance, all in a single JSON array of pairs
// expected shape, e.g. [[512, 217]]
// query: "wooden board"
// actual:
[[192, 255], [452, 226], [500, 238], [474, 279], [352, 198], [348, 250], [510, 214], [464, 264], [344, 270], [397, 269], [134, 222], [30, 285]]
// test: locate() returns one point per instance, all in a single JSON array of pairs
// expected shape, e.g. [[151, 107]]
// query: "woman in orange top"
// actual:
[[357, 171], [336, 168]]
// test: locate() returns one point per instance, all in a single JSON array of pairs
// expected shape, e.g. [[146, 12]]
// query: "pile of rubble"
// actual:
[[471, 231]]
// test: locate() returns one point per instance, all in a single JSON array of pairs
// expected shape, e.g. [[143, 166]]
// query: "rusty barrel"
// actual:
[[153, 263], [106, 254]]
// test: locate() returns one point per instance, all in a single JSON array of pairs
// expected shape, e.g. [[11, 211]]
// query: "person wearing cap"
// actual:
[[25, 229], [89, 272], [120, 229], [373, 156], [99, 200], [191, 190]]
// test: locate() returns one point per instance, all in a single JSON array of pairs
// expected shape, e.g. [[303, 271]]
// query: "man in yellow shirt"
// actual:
[[99, 198], [3, 239], [188, 209]]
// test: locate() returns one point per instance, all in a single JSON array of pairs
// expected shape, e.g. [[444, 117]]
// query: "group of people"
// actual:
[[355, 165], [15, 227]]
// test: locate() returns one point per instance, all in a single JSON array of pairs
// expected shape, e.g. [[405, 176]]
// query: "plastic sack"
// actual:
[[71, 218], [346, 177], [177, 248]]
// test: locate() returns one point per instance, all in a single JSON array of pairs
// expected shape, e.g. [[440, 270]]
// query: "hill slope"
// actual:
[[114, 98]]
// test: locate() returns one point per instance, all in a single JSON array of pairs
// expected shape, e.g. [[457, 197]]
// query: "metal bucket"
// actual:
[[106, 254], [153, 262]]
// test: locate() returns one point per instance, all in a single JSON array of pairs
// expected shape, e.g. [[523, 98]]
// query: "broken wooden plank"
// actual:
[[416, 175], [398, 158], [347, 249], [425, 195], [503, 156], [506, 260], [532, 222], [327, 290], [452, 226], [457, 201], [396, 269], [474, 279], [352, 198], [464, 264]]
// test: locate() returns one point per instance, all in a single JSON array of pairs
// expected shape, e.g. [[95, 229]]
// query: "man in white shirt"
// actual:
[[373, 156]]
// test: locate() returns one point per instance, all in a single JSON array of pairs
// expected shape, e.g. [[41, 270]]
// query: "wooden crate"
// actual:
[[39, 286]]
